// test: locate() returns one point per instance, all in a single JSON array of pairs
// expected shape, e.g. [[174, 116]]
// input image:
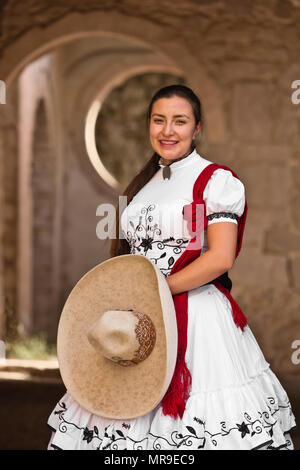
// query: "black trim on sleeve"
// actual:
[[217, 215]]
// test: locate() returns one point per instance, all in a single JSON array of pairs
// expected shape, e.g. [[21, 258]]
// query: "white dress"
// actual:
[[236, 401]]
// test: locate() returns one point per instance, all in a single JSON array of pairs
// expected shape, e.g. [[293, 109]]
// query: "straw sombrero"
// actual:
[[117, 338]]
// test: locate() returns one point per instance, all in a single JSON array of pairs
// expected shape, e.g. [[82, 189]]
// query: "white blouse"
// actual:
[[153, 223], [224, 193]]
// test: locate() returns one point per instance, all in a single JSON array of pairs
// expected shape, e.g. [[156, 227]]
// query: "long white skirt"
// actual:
[[236, 401]]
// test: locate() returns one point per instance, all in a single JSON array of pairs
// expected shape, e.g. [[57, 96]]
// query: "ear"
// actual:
[[197, 129]]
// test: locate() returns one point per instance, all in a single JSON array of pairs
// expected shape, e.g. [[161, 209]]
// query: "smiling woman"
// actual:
[[223, 394], [172, 128]]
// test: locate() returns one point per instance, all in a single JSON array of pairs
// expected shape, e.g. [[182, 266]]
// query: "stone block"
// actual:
[[258, 223], [296, 152], [294, 269], [267, 186], [251, 112], [265, 153], [254, 268], [280, 240], [295, 196], [234, 70], [296, 176], [285, 123], [273, 316], [220, 153]]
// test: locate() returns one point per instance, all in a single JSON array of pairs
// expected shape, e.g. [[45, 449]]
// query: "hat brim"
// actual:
[[99, 385]]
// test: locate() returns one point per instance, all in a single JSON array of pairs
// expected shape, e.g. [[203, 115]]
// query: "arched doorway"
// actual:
[[125, 55]]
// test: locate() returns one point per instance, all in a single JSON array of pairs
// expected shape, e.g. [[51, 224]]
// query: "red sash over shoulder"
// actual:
[[173, 402]]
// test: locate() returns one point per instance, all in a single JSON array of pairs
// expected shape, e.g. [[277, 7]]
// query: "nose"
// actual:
[[168, 129]]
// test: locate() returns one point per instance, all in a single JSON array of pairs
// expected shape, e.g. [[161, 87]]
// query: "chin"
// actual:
[[169, 154]]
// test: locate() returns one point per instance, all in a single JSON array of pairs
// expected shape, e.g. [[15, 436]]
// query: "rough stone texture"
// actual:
[[270, 154], [250, 53], [2, 289], [267, 187], [256, 226], [278, 238], [293, 266], [273, 316], [257, 269], [43, 192], [251, 106], [295, 196], [10, 211]]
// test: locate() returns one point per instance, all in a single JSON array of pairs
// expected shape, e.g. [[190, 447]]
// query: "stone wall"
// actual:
[[43, 194], [9, 212]]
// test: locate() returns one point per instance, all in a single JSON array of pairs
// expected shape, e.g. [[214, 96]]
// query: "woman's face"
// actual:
[[172, 128]]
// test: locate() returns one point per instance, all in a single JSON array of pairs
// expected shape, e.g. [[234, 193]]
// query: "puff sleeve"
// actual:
[[224, 197]]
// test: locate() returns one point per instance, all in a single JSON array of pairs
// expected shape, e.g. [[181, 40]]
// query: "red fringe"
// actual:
[[173, 403], [239, 318]]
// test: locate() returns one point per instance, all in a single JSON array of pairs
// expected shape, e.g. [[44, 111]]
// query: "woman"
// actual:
[[235, 401]]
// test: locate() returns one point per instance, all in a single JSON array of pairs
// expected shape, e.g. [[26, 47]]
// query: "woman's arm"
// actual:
[[222, 239]]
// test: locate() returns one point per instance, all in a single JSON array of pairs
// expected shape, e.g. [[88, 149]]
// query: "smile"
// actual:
[[166, 142]]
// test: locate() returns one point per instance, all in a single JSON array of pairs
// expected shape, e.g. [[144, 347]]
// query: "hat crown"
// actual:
[[126, 337]]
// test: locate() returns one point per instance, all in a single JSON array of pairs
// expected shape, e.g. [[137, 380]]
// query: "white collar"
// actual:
[[192, 157]]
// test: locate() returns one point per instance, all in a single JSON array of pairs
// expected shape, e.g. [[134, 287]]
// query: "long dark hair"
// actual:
[[120, 246]]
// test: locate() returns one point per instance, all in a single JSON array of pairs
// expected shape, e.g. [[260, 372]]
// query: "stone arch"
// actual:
[[38, 41], [38, 184]]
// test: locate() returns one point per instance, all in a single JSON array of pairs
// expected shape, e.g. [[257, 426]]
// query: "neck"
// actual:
[[169, 162]]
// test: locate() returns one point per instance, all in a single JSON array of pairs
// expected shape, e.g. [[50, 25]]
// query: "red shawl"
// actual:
[[173, 402]]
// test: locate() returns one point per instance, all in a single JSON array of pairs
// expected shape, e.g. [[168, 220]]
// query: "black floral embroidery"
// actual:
[[199, 420], [251, 427], [62, 410], [177, 440], [147, 244], [243, 428], [217, 215], [192, 436], [88, 435], [145, 237], [126, 426]]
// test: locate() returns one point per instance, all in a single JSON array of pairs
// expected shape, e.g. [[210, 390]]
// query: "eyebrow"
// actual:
[[176, 115]]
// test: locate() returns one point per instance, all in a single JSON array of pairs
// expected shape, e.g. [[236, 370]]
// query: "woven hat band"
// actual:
[[126, 337]]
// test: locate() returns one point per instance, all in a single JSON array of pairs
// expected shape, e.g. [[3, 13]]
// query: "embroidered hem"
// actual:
[[237, 424]]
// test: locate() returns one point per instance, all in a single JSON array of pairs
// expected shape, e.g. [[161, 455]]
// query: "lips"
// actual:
[[168, 142]]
